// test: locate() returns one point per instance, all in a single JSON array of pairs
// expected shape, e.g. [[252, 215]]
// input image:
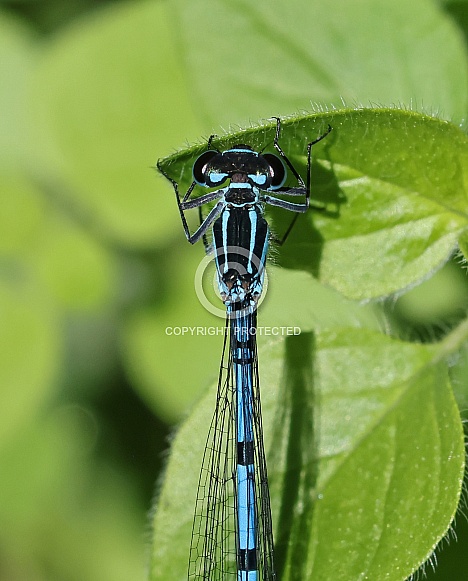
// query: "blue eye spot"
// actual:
[[258, 178], [216, 178]]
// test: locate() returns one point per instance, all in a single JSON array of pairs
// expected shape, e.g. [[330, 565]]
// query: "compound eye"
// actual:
[[199, 167], [277, 170]]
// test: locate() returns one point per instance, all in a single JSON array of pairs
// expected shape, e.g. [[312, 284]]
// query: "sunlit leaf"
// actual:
[[364, 444], [254, 60], [104, 102], [396, 181]]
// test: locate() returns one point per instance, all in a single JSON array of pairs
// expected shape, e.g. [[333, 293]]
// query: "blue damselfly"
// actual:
[[232, 536]]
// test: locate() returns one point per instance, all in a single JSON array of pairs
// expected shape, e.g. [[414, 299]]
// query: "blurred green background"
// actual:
[[94, 266]]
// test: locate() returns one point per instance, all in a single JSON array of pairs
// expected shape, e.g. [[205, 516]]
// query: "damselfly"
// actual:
[[232, 535]]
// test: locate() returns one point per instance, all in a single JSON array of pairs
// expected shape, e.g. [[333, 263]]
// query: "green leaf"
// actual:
[[254, 60], [397, 180], [56, 253], [287, 303], [463, 244], [180, 326], [73, 266], [104, 103], [16, 64], [22, 213], [48, 469], [458, 375], [184, 328], [439, 298], [364, 444], [29, 356]]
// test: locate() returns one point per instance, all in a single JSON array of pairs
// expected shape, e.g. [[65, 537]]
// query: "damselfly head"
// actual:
[[240, 164]]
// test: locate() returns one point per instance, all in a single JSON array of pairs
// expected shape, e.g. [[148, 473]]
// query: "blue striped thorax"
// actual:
[[240, 233]]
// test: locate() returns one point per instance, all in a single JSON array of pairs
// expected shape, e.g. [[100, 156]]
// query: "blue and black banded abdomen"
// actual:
[[240, 238]]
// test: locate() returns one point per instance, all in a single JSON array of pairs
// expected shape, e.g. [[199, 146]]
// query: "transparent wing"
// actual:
[[214, 546]]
